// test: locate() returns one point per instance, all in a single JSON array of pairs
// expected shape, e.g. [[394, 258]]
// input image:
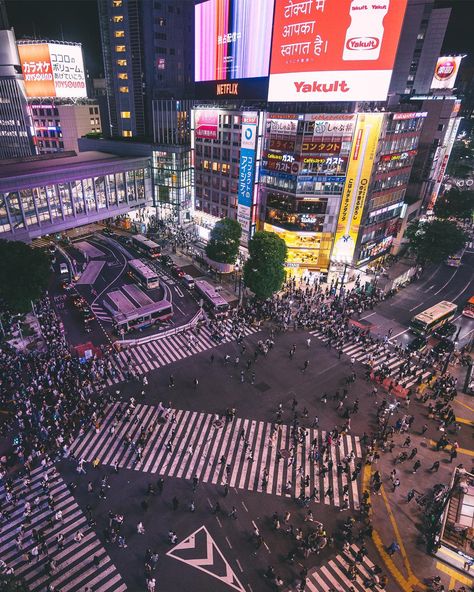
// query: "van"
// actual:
[[188, 281], [63, 269]]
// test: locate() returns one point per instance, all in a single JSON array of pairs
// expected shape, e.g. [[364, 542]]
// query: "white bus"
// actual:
[[146, 246], [144, 275], [213, 301], [433, 318]]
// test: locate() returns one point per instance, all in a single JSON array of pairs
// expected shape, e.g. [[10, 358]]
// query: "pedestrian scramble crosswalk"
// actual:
[[383, 354], [100, 313], [215, 452], [334, 574], [75, 570], [162, 352]]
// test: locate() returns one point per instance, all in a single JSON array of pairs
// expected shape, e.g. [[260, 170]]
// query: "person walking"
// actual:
[[393, 548], [140, 528], [233, 513], [416, 466], [434, 467], [396, 484]]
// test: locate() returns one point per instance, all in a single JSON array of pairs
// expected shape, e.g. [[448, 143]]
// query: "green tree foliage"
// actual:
[[455, 204], [264, 271], [436, 240], [24, 274], [223, 245], [460, 160]]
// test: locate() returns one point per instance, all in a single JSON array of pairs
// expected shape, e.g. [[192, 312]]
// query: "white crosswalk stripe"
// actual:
[[383, 355], [199, 443], [75, 569], [100, 312], [335, 574], [156, 354]]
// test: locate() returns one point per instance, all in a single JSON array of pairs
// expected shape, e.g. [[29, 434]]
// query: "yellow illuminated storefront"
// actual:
[[306, 251]]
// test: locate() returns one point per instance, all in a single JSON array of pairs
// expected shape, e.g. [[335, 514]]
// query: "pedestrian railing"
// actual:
[[124, 343]]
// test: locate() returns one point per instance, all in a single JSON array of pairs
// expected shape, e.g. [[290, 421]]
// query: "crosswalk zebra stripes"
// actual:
[[156, 354], [334, 574], [383, 354], [200, 443], [75, 569]]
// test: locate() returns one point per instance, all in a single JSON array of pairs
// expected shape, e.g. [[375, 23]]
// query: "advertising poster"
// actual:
[[53, 70], [325, 50], [247, 171], [446, 72], [359, 171], [232, 39], [206, 124]]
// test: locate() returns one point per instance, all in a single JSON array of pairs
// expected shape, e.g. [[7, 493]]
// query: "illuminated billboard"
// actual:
[[334, 51], [206, 123], [232, 40], [359, 171], [53, 70], [247, 171], [446, 72]]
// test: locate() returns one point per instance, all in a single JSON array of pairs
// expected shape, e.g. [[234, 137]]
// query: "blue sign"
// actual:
[[246, 174]]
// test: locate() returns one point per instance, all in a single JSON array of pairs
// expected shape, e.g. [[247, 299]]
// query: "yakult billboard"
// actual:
[[326, 50], [446, 72], [53, 70]]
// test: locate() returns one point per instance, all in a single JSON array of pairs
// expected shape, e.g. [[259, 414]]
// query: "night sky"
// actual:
[[77, 20]]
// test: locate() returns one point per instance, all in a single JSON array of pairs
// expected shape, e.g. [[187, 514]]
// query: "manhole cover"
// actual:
[[262, 387]]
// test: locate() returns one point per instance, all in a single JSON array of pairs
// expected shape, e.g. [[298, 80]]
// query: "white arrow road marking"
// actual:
[[201, 562]]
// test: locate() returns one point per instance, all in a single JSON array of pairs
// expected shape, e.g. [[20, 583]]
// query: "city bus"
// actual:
[[212, 300], [144, 275], [433, 318], [146, 246], [455, 260], [468, 310]]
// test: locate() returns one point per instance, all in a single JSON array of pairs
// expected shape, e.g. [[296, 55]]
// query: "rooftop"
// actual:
[[56, 162]]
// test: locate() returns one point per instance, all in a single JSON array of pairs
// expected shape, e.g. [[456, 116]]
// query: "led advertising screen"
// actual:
[[232, 39], [326, 50], [206, 124], [53, 70], [446, 72]]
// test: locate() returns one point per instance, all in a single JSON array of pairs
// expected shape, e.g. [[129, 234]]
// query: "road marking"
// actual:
[[464, 336], [464, 405], [443, 287], [459, 450], [245, 507], [454, 573], [464, 420], [268, 548], [329, 368], [218, 521], [417, 306], [178, 291], [206, 551], [430, 278], [398, 334], [228, 542], [367, 316], [428, 289], [240, 567]]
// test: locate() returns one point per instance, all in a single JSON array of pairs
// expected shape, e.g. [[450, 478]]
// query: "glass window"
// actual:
[[4, 222], [121, 63], [130, 177], [29, 210], [14, 209], [120, 48], [140, 184], [99, 183], [110, 187], [65, 194], [77, 196], [118, 18], [122, 76], [88, 186], [119, 33], [120, 188], [123, 89], [54, 203], [41, 203], [125, 114], [117, 3], [126, 133]]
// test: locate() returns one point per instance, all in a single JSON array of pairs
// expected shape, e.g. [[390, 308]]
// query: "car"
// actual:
[[417, 344], [52, 248], [87, 314], [188, 281], [445, 330], [66, 285], [108, 232], [63, 269], [177, 271], [444, 346], [166, 260]]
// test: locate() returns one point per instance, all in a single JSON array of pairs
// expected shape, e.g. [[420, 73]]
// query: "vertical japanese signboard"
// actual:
[[247, 171], [334, 50], [358, 176]]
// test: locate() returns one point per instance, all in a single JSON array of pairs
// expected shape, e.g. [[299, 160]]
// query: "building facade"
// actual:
[[46, 195], [59, 125], [16, 126], [147, 56]]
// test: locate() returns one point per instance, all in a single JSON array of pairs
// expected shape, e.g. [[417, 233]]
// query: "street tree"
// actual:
[[24, 274], [264, 271], [436, 240], [455, 204], [223, 245]]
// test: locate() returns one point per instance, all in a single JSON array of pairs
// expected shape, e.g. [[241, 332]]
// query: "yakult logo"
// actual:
[[362, 43]]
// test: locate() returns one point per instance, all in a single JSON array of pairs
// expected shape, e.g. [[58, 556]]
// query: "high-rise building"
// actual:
[[147, 57], [16, 131], [421, 40]]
